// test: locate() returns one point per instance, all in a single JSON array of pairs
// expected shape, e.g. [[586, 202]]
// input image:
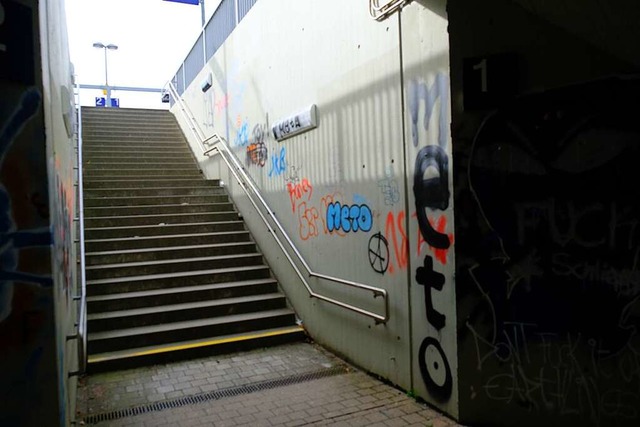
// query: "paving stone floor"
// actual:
[[290, 385]]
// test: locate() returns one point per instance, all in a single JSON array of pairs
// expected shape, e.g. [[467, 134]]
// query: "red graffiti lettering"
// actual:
[[393, 227], [297, 191], [222, 104]]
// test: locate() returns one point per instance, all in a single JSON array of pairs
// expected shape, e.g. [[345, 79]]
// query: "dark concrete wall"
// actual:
[[547, 214], [28, 375], [37, 207]]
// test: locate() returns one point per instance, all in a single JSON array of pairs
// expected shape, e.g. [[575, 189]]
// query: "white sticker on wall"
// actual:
[[296, 124]]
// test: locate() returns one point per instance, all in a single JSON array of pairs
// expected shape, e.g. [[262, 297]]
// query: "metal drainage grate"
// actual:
[[216, 395]]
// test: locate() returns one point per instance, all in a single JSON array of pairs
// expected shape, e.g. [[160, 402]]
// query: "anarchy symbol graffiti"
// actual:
[[379, 253]]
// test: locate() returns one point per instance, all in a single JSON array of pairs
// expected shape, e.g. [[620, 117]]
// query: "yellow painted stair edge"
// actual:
[[98, 359]]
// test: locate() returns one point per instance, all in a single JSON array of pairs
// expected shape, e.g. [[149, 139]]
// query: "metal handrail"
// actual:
[[82, 318], [380, 12], [186, 112], [213, 144]]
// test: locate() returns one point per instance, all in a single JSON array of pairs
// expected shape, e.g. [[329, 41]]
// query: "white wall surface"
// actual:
[[286, 55]]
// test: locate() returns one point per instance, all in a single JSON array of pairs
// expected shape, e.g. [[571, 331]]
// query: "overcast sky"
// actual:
[[153, 37]]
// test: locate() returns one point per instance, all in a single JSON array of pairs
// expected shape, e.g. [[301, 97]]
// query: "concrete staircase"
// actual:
[[171, 270]]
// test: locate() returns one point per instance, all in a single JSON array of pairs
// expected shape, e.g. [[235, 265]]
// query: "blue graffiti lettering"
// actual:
[[242, 137], [349, 218], [418, 92], [278, 163]]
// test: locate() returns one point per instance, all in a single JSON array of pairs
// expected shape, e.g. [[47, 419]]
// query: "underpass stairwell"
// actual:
[[171, 270]]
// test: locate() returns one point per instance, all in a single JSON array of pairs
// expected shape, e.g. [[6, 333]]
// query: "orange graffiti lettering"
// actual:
[[307, 220]]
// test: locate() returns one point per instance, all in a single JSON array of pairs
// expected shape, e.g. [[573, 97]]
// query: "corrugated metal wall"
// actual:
[[243, 7], [220, 26], [179, 78], [194, 61], [217, 30]]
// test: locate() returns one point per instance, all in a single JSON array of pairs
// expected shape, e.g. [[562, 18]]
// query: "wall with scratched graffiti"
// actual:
[[366, 196], [546, 147], [37, 205]]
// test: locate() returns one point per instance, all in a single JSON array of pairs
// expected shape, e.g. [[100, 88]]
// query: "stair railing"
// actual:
[[215, 144], [82, 297], [380, 11]]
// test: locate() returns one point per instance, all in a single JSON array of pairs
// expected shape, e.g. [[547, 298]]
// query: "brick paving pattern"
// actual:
[[349, 399]]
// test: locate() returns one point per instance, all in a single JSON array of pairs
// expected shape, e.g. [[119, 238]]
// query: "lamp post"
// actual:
[[99, 45]]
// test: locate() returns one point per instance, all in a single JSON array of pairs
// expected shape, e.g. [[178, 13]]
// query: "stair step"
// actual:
[[111, 123], [107, 137], [124, 120], [142, 175], [117, 166], [107, 341], [139, 158], [125, 319], [91, 212], [154, 191], [138, 220], [179, 252], [138, 154], [131, 131], [137, 269], [128, 174], [146, 182], [126, 149], [176, 295], [127, 243], [175, 280], [119, 124], [154, 200], [127, 112], [134, 144], [125, 137], [162, 230], [139, 356]]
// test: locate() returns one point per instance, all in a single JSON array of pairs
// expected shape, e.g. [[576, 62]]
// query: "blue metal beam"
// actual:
[[194, 2]]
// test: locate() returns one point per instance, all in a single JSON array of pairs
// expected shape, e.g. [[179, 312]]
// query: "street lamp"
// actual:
[[99, 45]]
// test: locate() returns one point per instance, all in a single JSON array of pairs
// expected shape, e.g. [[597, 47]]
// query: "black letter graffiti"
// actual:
[[435, 369], [431, 192], [431, 279]]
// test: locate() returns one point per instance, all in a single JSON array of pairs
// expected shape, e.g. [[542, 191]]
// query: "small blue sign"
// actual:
[[115, 102], [101, 101], [194, 2]]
